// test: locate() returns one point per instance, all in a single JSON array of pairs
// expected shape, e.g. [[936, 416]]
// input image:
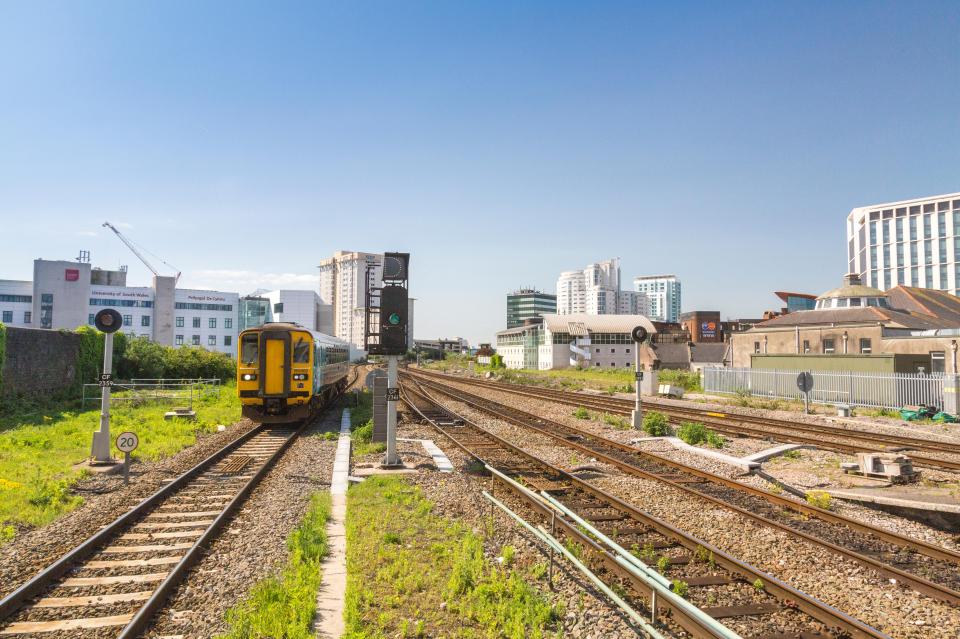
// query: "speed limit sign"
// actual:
[[127, 442]]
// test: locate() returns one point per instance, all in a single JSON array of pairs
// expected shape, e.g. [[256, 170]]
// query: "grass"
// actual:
[[361, 426], [283, 606], [431, 578], [41, 442]]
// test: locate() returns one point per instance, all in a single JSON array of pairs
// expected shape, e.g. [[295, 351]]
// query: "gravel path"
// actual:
[[844, 584], [253, 545], [106, 498]]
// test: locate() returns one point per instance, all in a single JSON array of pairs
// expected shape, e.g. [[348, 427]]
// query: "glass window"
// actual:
[[928, 252], [8, 316], [865, 346], [278, 307], [144, 320], [228, 322], [927, 227], [196, 322], [46, 298], [856, 301], [806, 346], [756, 347], [227, 340], [913, 229], [250, 348], [196, 340], [90, 319], [301, 351], [900, 230], [128, 320], [828, 346], [937, 361], [212, 322], [27, 317], [179, 322], [211, 340], [178, 340]]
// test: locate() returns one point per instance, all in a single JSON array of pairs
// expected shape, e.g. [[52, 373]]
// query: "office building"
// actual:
[[65, 295], [527, 303], [907, 243], [663, 296], [596, 291]]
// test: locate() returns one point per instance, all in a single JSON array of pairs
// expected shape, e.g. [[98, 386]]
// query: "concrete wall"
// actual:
[[164, 292], [40, 361], [69, 285]]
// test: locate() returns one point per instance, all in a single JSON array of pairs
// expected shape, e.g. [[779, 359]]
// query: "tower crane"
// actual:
[[139, 255]]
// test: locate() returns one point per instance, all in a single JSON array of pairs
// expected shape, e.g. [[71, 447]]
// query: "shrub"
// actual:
[[496, 361], [655, 424], [819, 498], [688, 380], [363, 433], [581, 413], [663, 565], [680, 588], [695, 433]]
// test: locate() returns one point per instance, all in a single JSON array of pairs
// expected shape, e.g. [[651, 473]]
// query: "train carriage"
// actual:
[[286, 373]]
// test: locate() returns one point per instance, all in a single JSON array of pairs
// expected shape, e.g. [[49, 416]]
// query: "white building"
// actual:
[[663, 296], [299, 307], [596, 291], [65, 295], [561, 341], [910, 242]]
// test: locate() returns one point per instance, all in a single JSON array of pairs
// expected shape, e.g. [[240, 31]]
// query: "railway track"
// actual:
[[120, 577], [825, 437], [927, 568], [775, 611]]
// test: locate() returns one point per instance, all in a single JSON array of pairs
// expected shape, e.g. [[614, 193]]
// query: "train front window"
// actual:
[[250, 349], [301, 352]]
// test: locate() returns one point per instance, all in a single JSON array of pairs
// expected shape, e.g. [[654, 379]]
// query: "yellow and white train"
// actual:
[[286, 373]]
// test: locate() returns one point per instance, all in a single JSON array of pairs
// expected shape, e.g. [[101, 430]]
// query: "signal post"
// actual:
[[387, 333]]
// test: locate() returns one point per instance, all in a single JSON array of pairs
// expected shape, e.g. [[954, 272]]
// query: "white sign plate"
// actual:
[[127, 442]]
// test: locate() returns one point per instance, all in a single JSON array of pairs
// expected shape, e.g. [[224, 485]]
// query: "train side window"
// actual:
[[301, 351], [250, 348]]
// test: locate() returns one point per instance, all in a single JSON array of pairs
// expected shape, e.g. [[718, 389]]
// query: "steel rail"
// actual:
[[30, 589], [921, 584], [792, 597], [43, 580], [931, 550], [737, 424]]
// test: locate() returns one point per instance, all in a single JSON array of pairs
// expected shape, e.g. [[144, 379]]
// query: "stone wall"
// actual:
[[40, 361]]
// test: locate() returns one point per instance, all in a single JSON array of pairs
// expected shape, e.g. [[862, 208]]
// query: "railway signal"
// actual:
[[639, 334], [108, 321]]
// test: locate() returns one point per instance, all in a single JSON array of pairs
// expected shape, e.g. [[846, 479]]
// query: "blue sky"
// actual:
[[498, 142]]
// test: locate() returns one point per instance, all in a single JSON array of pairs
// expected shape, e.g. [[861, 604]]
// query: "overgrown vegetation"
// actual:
[[40, 442], [656, 424], [819, 498], [3, 355], [688, 380], [361, 426], [581, 413], [695, 433], [283, 606], [435, 582]]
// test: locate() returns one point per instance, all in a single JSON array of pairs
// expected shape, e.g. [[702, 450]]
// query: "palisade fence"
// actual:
[[880, 390]]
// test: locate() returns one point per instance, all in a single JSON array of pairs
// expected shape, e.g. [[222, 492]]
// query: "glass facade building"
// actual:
[[910, 243], [526, 304]]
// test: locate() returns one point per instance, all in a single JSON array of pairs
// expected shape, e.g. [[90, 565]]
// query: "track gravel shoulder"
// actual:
[[105, 499], [253, 545], [842, 583]]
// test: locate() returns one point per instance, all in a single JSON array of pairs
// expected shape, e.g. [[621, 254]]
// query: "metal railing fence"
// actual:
[[877, 390], [184, 391]]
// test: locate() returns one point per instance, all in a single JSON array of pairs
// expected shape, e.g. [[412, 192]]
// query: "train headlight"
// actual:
[[249, 377], [300, 376]]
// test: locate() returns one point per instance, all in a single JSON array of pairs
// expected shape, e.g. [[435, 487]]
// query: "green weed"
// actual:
[[656, 424], [581, 413]]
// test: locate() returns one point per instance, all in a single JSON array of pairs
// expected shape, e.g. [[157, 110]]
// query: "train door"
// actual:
[[275, 364]]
